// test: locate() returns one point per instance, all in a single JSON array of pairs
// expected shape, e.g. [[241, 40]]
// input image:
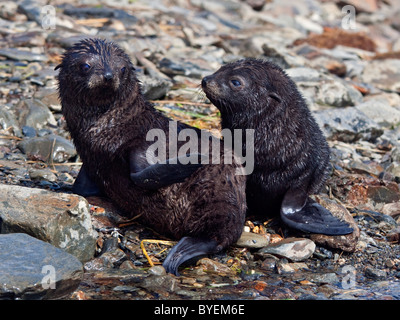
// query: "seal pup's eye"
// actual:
[[84, 67], [236, 83]]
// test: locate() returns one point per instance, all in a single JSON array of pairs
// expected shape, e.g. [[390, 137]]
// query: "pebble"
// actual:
[[42, 174], [157, 271], [295, 249], [252, 240], [211, 265], [50, 274]]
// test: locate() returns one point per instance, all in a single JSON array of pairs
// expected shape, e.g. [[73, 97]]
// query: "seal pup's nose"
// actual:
[[204, 81], [108, 76]]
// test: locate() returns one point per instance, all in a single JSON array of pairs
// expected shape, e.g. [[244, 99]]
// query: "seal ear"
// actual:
[[275, 96]]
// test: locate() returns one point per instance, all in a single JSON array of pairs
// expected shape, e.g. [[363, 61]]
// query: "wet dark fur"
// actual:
[[290, 150], [107, 120]]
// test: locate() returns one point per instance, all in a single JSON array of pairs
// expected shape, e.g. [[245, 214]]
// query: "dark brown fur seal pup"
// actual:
[[290, 151], [108, 119]]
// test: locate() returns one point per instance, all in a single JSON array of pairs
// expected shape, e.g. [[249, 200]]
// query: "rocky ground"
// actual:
[[350, 78]]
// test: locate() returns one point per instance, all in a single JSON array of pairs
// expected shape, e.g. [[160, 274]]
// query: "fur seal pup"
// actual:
[[202, 205], [291, 154]]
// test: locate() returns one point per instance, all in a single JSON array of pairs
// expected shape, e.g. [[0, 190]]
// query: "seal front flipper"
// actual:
[[165, 173], [84, 185], [186, 249], [302, 213]]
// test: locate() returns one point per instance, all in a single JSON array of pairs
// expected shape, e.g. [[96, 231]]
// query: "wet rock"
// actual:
[[324, 278], [274, 292], [60, 219], [283, 266], [347, 125], [35, 114], [269, 263], [33, 269], [154, 88], [50, 148], [8, 120], [211, 265], [28, 132], [375, 274], [252, 240], [347, 242], [157, 271], [42, 174], [113, 258], [295, 249], [22, 55], [160, 283]]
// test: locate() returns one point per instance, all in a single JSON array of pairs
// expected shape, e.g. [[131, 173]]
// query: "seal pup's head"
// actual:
[[94, 72], [249, 87]]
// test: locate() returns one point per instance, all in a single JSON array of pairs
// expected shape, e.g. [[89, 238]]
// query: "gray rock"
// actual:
[[42, 174], [49, 148], [35, 114], [161, 283], [22, 55], [323, 278], [33, 269], [154, 88], [380, 111], [375, 274], [303, 74], [58, 218], [295, 249], [324, 89], [337, 93], [31, 9], [157, 271], [383, 74], [347, 125], [8, 120]]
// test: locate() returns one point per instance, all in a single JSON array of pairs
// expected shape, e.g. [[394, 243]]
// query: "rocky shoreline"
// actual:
[[350, 79]]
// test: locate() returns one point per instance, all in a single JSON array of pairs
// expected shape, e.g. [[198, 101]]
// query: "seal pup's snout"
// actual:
[[209, 85], [108, 76], [205, 80]]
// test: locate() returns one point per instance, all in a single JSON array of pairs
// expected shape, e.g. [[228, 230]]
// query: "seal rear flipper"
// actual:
[[301, 213], [186, 249], [84, 185], [166, 173]]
